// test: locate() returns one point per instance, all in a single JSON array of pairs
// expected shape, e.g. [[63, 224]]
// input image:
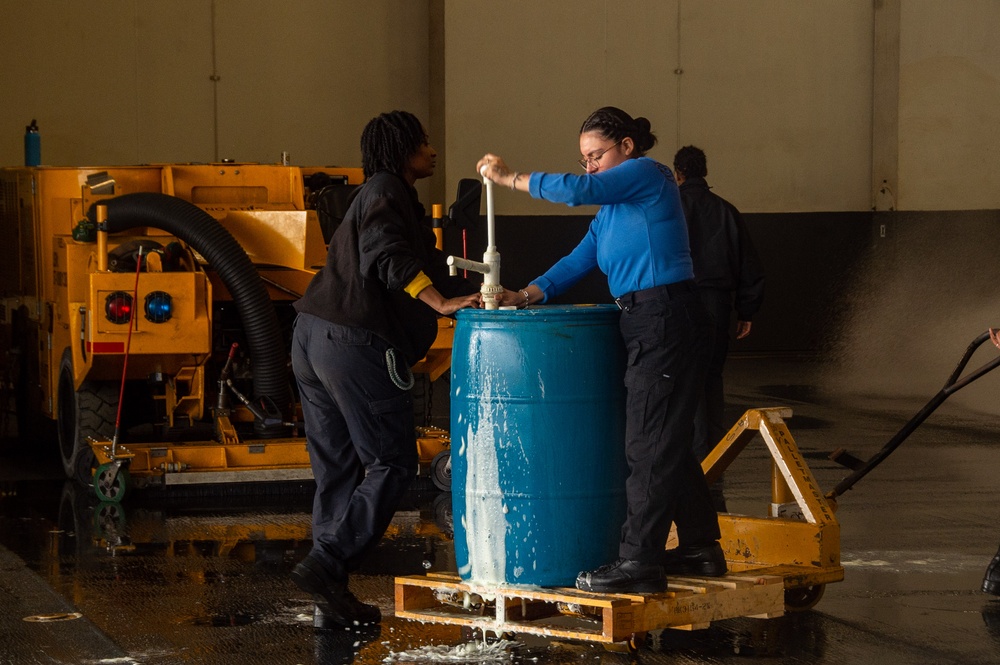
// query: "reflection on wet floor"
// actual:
[[162, 575]]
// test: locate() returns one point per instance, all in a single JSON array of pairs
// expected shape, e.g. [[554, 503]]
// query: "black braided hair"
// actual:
[[389, 140], [614, 124], [690, 161]]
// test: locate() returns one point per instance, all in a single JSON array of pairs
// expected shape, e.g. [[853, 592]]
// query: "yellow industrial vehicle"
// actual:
[[156, 301]]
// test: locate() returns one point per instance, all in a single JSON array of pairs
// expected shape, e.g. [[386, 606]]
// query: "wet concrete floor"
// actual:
[[205, 579]]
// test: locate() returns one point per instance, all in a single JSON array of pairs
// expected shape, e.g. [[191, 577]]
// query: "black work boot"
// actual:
[[991, 581], [701, 560], [624, 576], [362, 614], [326, 586]]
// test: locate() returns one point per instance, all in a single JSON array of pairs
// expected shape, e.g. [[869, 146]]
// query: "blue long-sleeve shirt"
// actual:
[[639, 236]]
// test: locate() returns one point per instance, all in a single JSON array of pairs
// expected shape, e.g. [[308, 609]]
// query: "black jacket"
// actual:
[[379, 248], [723, 254]]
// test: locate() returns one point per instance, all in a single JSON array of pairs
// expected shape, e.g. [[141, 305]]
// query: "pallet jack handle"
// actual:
[[952, 386]]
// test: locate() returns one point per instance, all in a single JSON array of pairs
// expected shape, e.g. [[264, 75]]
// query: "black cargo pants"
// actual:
[[666, 332], [360, 431]]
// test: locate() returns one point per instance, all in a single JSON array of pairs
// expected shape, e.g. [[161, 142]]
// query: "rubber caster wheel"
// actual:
[[803, 598], [631, 646], [108, 485], [441, 470]]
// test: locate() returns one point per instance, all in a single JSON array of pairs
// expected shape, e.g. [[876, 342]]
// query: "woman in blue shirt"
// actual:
[[639, 240]]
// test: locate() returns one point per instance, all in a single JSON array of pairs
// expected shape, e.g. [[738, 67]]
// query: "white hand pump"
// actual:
[[490, 267]]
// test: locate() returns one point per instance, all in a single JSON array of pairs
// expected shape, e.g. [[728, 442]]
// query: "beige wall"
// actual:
[[129, 81], [778, 92], [949, 105]]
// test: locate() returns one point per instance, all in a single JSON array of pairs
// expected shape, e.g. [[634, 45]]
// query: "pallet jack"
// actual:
[[779, 563]]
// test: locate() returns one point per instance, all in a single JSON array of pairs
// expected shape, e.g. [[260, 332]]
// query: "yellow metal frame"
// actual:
[[800, 538], [232, 460]]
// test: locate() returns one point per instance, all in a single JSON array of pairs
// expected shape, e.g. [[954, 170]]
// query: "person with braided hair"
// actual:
[[639, 240], [367, 316]]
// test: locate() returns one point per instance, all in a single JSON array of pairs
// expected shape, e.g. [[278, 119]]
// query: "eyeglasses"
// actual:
[[585, 162]]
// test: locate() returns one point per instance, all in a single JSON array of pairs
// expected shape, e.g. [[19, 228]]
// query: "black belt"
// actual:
[[664, 291]]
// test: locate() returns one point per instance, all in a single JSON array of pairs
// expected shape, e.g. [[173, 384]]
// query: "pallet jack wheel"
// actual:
[[110, 486], [803, 598], [441, 470], [630, 646]]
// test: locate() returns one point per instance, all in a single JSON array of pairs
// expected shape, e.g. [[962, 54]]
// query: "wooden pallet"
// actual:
[[688, 603]]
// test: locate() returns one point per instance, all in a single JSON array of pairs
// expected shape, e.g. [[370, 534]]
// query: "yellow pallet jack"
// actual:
[[778, 563]]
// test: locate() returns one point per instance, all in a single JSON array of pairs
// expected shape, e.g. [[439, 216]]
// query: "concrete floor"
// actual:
[[205, 580]]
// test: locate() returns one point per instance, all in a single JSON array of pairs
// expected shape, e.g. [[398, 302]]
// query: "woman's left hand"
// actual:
[[995, 336]]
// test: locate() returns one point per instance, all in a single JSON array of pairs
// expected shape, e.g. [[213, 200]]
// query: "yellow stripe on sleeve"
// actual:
[[419, 283]]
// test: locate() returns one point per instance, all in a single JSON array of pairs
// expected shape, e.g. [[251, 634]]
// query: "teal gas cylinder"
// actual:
[[537, 443]]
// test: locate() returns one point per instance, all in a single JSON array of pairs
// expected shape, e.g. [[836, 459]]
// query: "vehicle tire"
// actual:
[[87, 412]]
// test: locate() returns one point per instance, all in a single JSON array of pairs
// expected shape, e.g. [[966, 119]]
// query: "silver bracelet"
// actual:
[[524, 293], [513, 181]]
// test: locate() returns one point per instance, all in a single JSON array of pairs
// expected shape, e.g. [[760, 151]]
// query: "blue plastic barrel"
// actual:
[[537, 452]]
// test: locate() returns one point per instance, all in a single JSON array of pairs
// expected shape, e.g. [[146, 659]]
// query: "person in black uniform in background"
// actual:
[[729, 276], [367, 316]]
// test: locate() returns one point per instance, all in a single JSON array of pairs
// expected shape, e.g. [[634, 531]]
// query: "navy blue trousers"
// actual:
[[666, 333], [360, 431]]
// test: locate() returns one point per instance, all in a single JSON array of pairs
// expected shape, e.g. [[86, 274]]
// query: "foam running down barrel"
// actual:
[[537, 454]]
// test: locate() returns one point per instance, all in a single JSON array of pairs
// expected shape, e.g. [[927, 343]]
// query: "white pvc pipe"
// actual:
[[491, 278], [490, 219], [465, 264]]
